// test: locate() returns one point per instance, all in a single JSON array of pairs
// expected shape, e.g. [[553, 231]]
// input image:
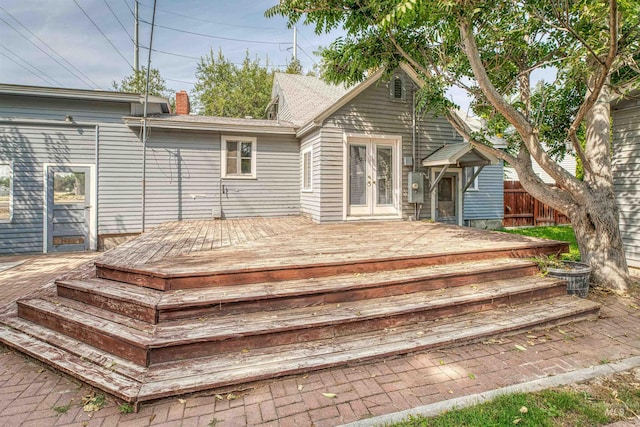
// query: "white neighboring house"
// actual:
[[568, 163]]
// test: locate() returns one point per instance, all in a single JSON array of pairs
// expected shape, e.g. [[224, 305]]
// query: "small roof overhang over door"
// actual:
[[459, 155]]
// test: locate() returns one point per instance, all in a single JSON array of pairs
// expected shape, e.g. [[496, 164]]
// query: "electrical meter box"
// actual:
[[416, 187]]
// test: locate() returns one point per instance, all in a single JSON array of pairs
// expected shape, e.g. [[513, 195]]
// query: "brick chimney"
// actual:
[[182, 103]]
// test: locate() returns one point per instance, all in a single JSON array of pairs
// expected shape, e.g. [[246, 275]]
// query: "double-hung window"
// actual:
[[238, 157], [307, 170]]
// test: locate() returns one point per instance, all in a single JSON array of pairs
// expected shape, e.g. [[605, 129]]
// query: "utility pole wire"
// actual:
[[128, 7], [103, 34], [56, 52], [118, 19], [144, 120], [43, 51], [25, 68], [214, 37]]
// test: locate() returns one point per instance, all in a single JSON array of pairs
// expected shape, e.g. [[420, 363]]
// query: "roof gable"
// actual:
[[302, 97]]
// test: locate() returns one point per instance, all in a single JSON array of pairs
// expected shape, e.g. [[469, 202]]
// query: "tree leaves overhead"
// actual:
[[513, 37], [228, 90], [137, 81]]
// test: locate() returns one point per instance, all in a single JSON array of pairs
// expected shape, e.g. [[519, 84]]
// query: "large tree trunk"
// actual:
[[595, 220], [590, 205], [595, 224]]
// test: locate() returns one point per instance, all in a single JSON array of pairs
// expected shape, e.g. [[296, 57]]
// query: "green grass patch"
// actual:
[[547, 408], [125, 408], [62, 409], [562, 233]]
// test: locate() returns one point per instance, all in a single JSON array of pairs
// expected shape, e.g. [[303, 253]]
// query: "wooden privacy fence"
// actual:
[[522, 209]]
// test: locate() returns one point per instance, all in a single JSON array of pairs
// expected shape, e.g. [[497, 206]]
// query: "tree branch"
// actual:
[[518, 120], [406, 56], [600, 81]]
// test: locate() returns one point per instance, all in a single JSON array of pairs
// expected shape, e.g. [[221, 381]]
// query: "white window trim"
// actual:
[[308, 150], [11, 186], [475, 185], [223, 156]]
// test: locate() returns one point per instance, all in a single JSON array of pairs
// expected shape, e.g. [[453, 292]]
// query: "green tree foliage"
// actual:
[[227, 90], [294, 67], [490, 49], [137, 82]]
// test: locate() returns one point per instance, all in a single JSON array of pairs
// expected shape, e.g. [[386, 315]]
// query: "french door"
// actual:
[[372, 174]]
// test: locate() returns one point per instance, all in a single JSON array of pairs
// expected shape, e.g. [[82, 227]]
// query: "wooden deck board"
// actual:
[[230, 326], [369, 289], [95, 375], [224, 370]]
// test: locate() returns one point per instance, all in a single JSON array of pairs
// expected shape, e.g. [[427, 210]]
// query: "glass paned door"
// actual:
[[372, 183], [358, 175], [446, 209], [68, 209]]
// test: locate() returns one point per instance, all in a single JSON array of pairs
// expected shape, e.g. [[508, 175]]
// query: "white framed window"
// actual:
[[468, 173], [397, 89], [307, 169], [6, 191], [238, 156]]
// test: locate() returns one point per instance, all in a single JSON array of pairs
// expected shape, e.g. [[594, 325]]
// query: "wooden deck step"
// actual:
[[101, 377], [149, 344], [138, 384], [98, 331], [225, 267], [242, 367], [155, 306]]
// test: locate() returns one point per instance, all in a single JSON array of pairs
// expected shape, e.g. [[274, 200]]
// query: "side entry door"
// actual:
[[68, 208]]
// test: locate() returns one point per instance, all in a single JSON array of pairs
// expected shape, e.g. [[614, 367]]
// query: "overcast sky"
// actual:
[[53, 42]]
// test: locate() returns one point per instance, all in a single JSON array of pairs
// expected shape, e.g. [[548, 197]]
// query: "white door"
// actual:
[[372, 174]]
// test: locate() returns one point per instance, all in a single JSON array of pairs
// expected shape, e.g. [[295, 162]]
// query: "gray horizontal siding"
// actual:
[[29, 148], [183, 176], [120, 180], [331, 168], [487, 202], [276, 189], [310, 201], [626, 173], [373, 112]]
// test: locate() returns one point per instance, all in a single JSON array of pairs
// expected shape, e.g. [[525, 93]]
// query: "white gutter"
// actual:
[[89, 95], [240, 127]]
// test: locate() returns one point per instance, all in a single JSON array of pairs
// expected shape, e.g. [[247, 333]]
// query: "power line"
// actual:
[[31, 65], [118, 19], [308, 56], [103, 35], [200, 57], [54, 51], [214, 22], [25, 68], [129, 7], [215, 37], [43, 51], [181, 81]]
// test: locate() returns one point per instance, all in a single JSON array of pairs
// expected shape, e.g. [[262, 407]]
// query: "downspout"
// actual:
[[414, 157], [221, 187], [144, 121], [97, 184]]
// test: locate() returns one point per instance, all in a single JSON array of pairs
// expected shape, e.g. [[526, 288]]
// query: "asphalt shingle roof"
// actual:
[[304, 97]]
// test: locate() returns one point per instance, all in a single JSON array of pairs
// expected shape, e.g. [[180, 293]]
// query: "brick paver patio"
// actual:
[[29, 391]]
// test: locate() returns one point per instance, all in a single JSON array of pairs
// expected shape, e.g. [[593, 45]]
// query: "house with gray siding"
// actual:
[[366, 153], [626, 171], [77, 174]]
